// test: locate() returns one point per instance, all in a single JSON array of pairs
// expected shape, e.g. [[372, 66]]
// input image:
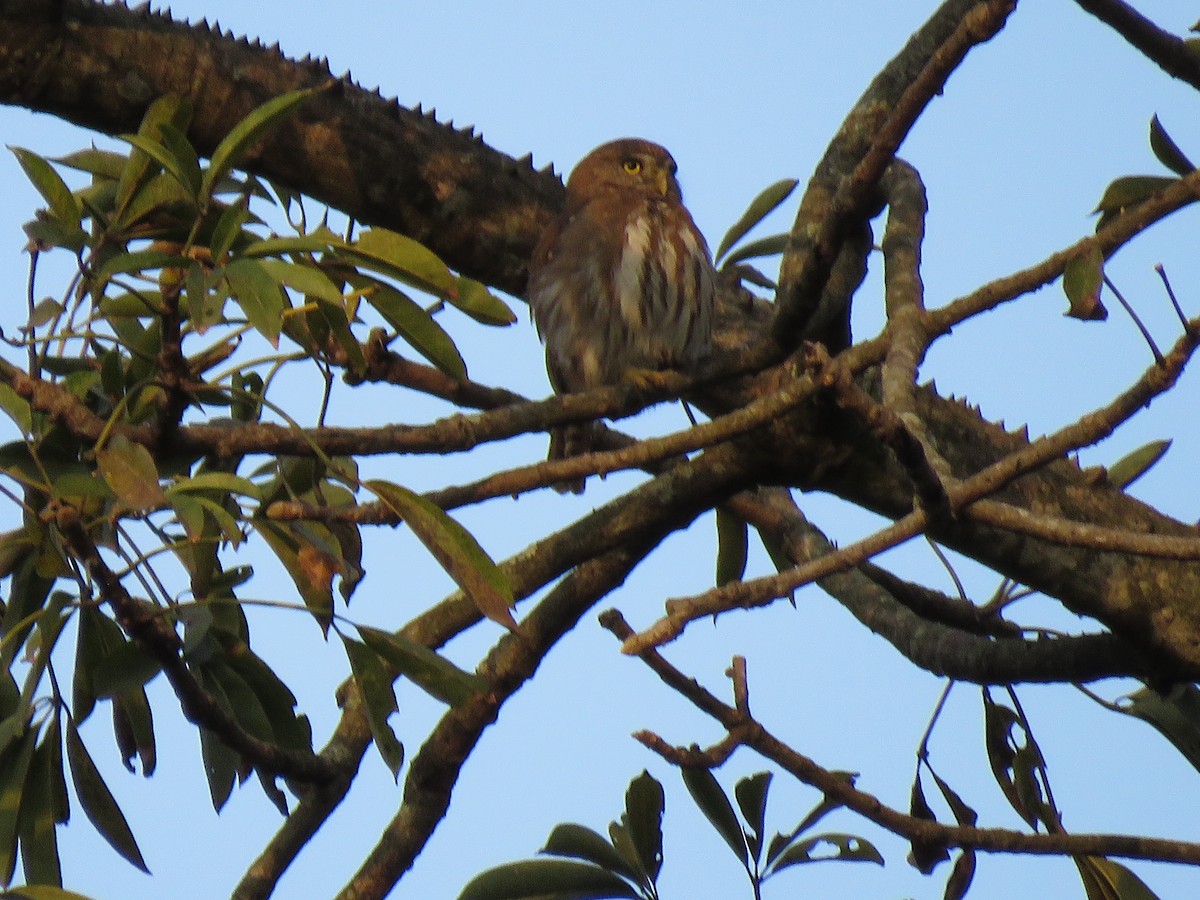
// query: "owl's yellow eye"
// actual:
[[632, 166]]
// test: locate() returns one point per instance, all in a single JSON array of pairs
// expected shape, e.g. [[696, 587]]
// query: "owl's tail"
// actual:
[[567, 441]]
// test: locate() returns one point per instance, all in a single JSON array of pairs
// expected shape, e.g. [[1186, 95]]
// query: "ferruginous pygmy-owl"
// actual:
[[622, 280]]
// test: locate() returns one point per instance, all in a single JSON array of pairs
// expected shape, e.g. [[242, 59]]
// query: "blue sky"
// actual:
[[1014, 155]]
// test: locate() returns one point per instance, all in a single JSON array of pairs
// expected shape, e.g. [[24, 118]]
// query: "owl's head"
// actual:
[[632, 166]]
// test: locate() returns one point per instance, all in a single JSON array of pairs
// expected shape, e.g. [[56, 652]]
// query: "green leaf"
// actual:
[[1104, 879], [259, 295], [105, 164], [760, 207], [39, 812], [220, 761], [733, 535], [401, 257], [961, 876], [767, 246], [123, 669], [643, 819], [216, 481], [428, 670], [751, 795], [310, 566], [1130, 190], [308, 280], [715, 805], [63, 204], [480, 304], [541, 879], [14, 766], [138, 170], [1134, 465], [1083, 277], [581, 842], [98, 803], [283, 246], [924, 855], [455, 550], [130, 471], [1175, 714], [828, 847], [133, 721], [1167, 150], [277, 700], [228, 229], [415, 325], [248, 132], [16, 408], [156, 149], [379, 699]]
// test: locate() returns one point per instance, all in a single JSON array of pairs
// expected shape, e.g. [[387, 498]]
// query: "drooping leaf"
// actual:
[[242, 137], [713, 802], [643, 818], [98, 803], [1167, 150], [1083, 278], [134, 721], [14, 766], [1134, 465], [259, 295], [924, 856], [733, 537], [379, 699], [963, 813], [1175, 714], [581, 842], [130, 471], [39, 815], [539, 879], [430, 671], [276, 698], [961, 876], [123, 668], [751, 795], [415, 325], [455, 549], [1104, 879], [767, 201], [310, 566]]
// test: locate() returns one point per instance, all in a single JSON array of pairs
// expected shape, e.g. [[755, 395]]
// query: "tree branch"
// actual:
[[1169, 51], [744, 730]]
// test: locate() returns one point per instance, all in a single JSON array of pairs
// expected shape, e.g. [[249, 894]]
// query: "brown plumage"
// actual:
[[621, 280]]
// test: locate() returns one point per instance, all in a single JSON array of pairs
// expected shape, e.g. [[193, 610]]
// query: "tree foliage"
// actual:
[[157, 443]]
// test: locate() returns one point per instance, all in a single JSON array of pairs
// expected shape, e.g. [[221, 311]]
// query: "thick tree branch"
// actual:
[[843, 190], [101, 65], [1169, 51]]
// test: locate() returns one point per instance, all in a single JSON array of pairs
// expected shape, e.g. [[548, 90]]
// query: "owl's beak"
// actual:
[[662, 181]]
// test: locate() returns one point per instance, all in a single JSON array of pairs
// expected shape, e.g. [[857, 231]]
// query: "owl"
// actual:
[[621, 281]]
